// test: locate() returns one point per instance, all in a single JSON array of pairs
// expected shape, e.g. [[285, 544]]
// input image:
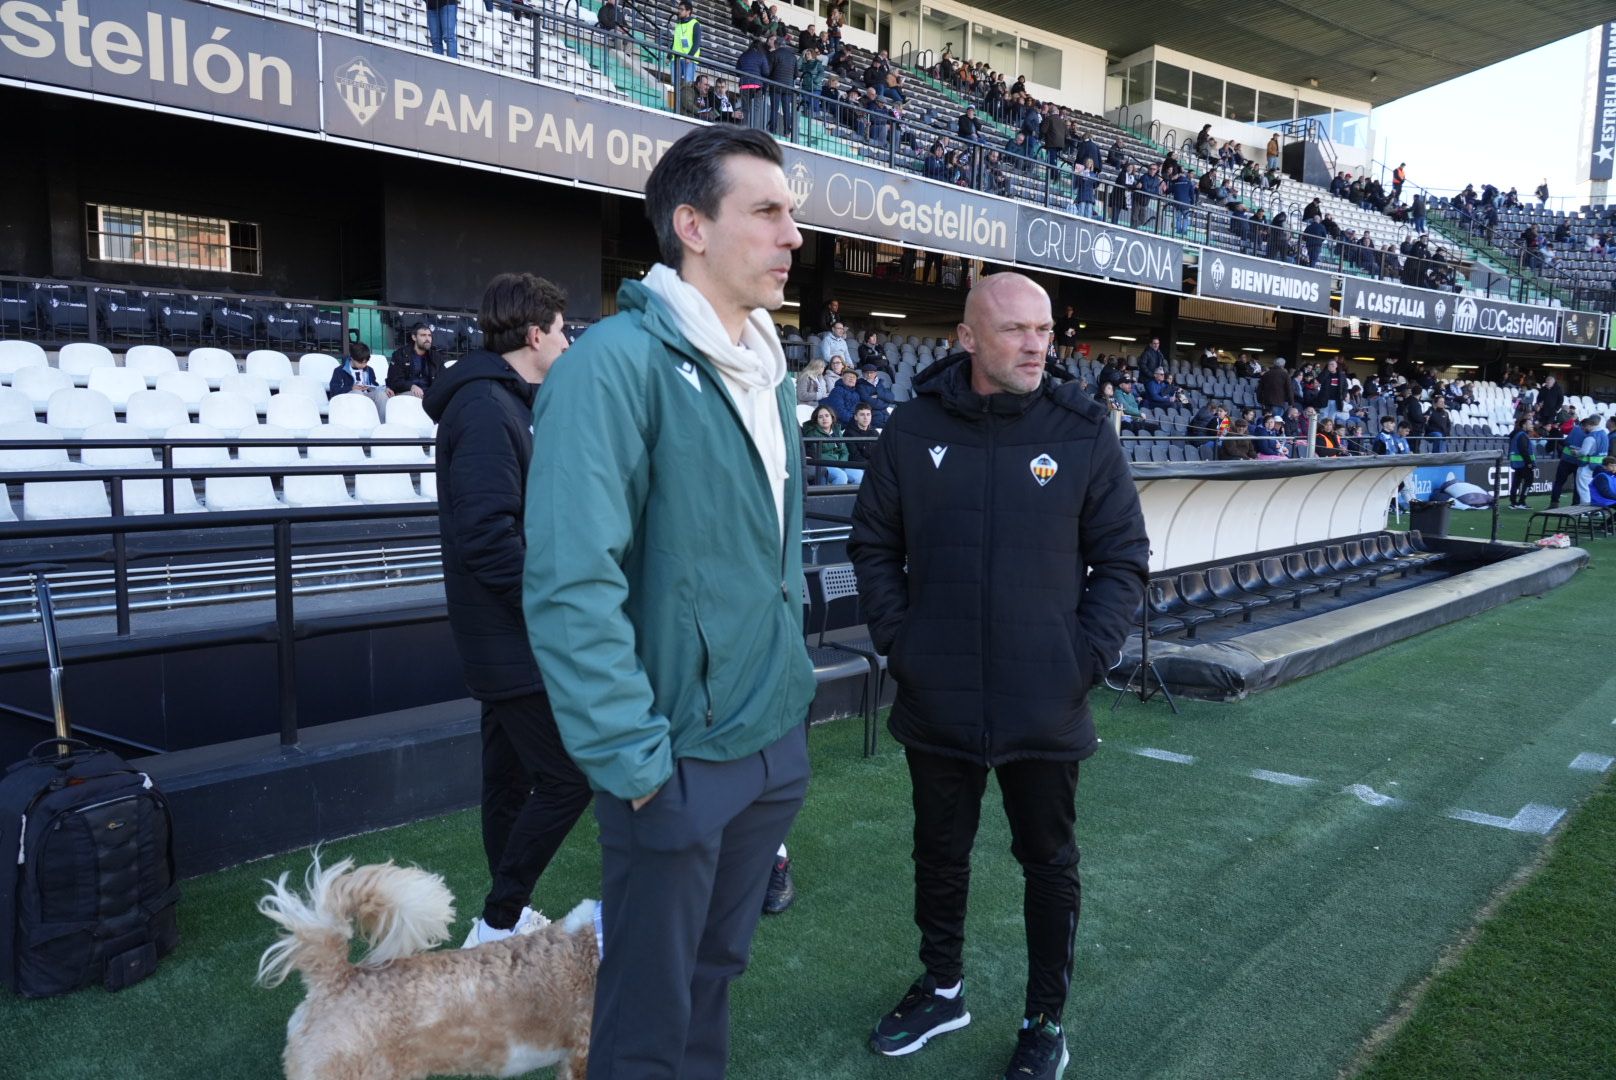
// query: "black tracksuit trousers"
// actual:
[[1040, 802]]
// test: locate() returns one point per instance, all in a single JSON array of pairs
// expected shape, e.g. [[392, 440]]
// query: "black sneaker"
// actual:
[[1040, 1052], [782, 890], [921, 1015]]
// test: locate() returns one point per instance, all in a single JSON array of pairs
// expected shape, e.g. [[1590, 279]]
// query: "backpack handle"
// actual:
[[65, 747]]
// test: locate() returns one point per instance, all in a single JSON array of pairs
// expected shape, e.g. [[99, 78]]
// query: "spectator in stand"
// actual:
[[1083, 191], [844, 396], [442, 26], [1327, 442], [1595, 448], [1438, 426], [813, 384], [1066, 330], [1152, 358], [812, 81], [1237, 445], [1053, 132], [1133, 417], [876, 396], [995, 180], [412, 367], [1273, 446], [753, 66], [1399, 178], [935, 166], [1203, 144], [861, 435], [830, 315], [869, 351], [1159, 393], [1332, 389], [1148, 198], [687, 45], [1602, 487], [1417, 212], [727, 106], [1388, 441], [1522, 463], [1411, 411], [1120, 197], [704, 102], [1183, 192], [1543, 194], [784, 68], [968, 126], [1273, 151], [1313, 238], [356, 376], [832, 455], [1550, 400], [835, 344]]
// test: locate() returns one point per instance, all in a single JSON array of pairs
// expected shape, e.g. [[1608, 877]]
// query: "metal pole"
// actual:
[[1312, 435], [120, 562], [1498, 470], [285, 644], [53, 658]]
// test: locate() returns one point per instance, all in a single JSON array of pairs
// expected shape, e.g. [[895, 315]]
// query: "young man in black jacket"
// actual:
[[413, 366], [1001, 555], [532, 791]]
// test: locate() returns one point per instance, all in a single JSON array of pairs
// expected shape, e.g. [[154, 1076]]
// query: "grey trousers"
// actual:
[[682, 884]]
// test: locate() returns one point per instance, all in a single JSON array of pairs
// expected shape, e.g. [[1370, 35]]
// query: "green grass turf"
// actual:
[[1232, 928]]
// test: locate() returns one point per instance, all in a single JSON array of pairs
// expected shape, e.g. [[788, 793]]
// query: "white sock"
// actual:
[[782, 852], [951, 992]]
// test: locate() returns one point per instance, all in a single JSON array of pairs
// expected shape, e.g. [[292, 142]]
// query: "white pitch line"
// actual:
[[1594, 763], [1531, 818], [1287, 779], [1163, 755], [1369, 795]]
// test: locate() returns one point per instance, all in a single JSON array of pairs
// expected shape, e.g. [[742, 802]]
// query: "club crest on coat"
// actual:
[[1043, 469]]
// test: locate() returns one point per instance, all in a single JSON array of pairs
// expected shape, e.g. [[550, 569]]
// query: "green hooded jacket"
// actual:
[[661, 603]]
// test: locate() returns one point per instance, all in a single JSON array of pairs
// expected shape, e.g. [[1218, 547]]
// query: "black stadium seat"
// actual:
[[124, 312], [1221, 580], [64, 310], [1193, 588], [287, 323], [1165, 600], [179, 318], [235, 321], [1249, 576]]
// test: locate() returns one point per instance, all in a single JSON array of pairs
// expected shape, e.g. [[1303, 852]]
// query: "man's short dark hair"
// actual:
[[692, 173], [512, 303], [863, 406], [416, 326]]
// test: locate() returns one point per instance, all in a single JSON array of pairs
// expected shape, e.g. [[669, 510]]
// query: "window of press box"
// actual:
[[1140, 84], [1172, 84], [1240, 103], [1206, 95], [164, 238], [1274, 108]]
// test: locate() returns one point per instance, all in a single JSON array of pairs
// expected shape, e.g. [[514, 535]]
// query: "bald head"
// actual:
[[1007, 329]]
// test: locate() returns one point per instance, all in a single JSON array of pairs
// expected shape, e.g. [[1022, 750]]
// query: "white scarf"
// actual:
[[752, 370]]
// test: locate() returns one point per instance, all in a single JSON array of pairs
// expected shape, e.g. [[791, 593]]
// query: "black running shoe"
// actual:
[[1040, 1052], [920, 1016], [782, 890]]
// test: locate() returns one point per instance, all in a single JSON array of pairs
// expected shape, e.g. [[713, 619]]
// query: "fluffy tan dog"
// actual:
[[400, 1012]]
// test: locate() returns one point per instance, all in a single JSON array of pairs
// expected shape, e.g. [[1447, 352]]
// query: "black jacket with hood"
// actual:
[[484, 412], [1001, 558]]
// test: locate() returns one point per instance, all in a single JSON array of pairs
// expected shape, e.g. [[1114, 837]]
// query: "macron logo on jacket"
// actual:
[[937, 453]]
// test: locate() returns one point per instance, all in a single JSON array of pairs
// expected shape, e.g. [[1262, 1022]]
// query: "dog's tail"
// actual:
[[399, 911]]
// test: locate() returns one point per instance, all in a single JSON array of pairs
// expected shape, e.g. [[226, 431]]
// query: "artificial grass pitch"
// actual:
[[1234, 926]]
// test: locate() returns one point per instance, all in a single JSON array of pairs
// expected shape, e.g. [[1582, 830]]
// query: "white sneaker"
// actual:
[[526, 923]]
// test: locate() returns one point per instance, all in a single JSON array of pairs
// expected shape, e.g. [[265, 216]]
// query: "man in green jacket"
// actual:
[[663, 596]]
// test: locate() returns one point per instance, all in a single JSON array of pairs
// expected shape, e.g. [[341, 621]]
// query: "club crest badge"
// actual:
[[1043, 469]]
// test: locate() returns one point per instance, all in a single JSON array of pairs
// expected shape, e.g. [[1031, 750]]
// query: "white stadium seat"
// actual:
[[48, 500], [82, 357], [189, 388], [150, 361], [229, 413], [153, 412], [255, 388], [404, 410], [193, 457], [15, 406], [117, 384], [72, 410], [354, 411], [252, 491], [269, 365], [391, 487], [39, 383], [16, 355], [318, 366], [212, 364], [325, 490], [296, 413], [139, 496]]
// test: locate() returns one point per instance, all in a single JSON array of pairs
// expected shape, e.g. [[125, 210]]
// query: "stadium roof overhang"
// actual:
[[1372, 50]]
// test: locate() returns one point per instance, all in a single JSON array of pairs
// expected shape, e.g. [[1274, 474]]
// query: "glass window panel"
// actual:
[[159, 238], [1274, 108], [1207, 95], [1240, 103], [1172, 84], [1350, 128], [1140, 84]]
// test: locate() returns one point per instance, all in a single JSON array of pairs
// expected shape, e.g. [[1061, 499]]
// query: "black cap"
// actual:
[[870, 367]]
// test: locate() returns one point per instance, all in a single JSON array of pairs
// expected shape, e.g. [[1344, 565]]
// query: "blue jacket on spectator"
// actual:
[[878, 397], [1159, 393], [1083, 188], [753, 62], [1602, 489], [342, 379], [1387, 443], [1183, 189], [843, 399]]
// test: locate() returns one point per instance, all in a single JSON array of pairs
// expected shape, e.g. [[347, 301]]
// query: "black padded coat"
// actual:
[[1001, 557], [484, 411]]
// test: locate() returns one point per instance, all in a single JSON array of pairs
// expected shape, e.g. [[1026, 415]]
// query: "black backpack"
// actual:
[[87, 883]]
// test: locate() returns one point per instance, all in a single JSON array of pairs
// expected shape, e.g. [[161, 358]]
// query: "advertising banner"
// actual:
[[1582, 328], [1094, 249], [1602, 159], [1227, 276], [1389, 303], [1502, 319], [167, 52]]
